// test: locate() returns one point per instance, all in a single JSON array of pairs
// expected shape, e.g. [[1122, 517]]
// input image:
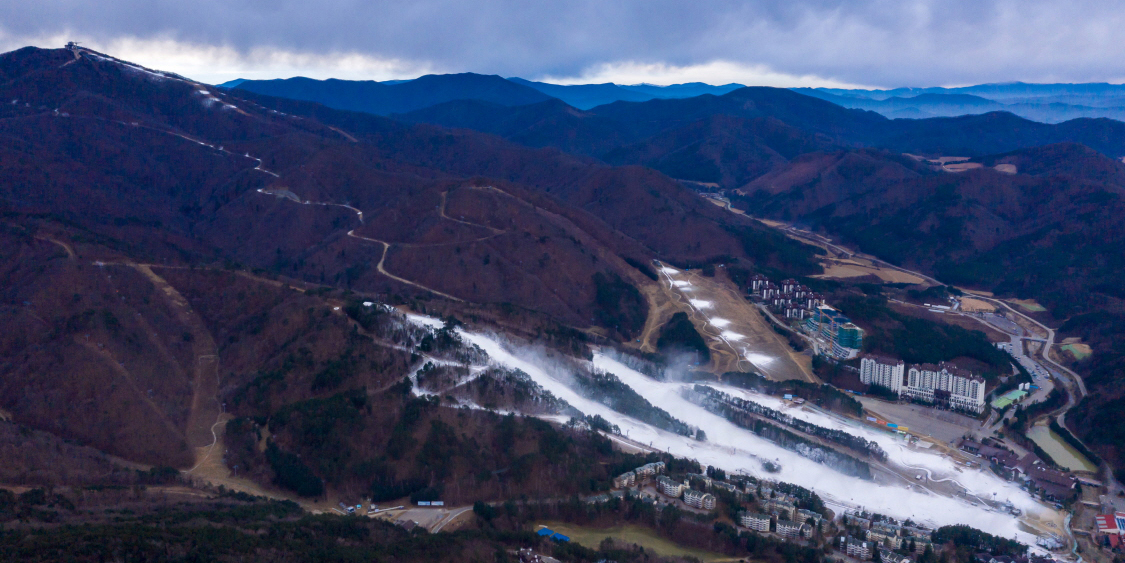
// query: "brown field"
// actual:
[[976, 292], [846, 263], [771, 223], [969, 323], [854, 269], [739, 337], [630, 534], [970, 305]]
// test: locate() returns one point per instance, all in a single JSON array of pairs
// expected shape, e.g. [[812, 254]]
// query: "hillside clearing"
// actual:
[[630, 534]]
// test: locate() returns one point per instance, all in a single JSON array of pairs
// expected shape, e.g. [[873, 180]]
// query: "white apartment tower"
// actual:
[[943, 383], [885, 372]]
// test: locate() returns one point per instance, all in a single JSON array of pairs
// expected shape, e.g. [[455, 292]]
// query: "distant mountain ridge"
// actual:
[[382, 98], [1046, 103], [589, 96], [402, 96]]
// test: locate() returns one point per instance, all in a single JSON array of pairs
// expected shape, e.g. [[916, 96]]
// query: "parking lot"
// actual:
[[943, 426]]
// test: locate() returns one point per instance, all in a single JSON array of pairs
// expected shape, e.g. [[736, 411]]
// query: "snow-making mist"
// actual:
[[737, 450]]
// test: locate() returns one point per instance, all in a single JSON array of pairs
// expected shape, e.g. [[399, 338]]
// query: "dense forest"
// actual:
[[1097, 419], [678, 337], [717, 401], [608, 390], [975, 540], [823, 395], [916, 340], [819, 453], [238, 527], [620, 306]]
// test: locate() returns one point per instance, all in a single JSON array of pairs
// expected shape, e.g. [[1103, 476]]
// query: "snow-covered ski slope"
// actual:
[[737, 450]]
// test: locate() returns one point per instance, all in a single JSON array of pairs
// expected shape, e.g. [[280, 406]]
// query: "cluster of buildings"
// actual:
[[985, 557], [775, 511], [789, 298], [670, 487], [944, 384], [638, 475], [795, 301], [885, 536], [697, 499], [802, 527], [1050, 484], [865, 549], [779, 511]]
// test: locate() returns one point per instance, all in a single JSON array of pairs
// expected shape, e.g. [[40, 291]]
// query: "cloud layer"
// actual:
[[778, 42]]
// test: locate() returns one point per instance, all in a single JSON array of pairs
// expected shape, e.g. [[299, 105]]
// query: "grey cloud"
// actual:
[[879, 42]]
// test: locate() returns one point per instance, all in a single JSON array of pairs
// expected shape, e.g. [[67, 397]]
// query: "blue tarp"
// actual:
[[559, 537], [545, 532]]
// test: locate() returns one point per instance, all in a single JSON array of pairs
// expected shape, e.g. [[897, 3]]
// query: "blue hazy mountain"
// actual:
[[686, 90], [586, 96], [384, 98], [1046, 103]]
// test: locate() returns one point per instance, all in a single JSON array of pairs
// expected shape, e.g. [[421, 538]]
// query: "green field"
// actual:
[[628, 533], [1080, 352], [1029, 305]]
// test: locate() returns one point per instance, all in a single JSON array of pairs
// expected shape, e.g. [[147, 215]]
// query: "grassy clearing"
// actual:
[[1029, 305], [628, 533], [1079, 351]]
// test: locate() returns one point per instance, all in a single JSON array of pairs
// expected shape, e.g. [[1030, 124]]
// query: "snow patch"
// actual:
[[731, 335], [757, 359], [424, 320], [669, 271], [700, 303], [681, 283], [718, 322]]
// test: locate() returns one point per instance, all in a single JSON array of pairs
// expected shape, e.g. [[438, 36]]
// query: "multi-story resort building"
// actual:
[[649, 469], [943, 384], [626, 479], [699, 499], [845, 336], [670, 487], [755, 521], [788, 529], [946, 385], [780, 506], [856, 548], [806, 516], [884, 537], [882, 371]]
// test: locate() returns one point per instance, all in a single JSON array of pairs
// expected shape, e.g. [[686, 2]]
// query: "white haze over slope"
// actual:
[[737, 450]]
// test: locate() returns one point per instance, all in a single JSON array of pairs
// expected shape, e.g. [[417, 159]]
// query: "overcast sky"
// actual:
[[880, 43]]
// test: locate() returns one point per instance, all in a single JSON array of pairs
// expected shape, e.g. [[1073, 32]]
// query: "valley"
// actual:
[[506, 304]]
